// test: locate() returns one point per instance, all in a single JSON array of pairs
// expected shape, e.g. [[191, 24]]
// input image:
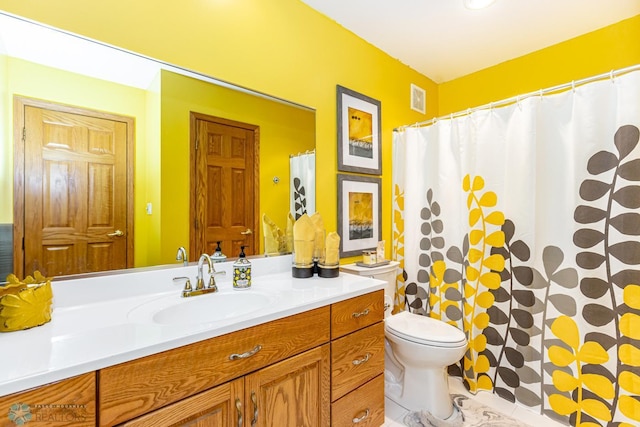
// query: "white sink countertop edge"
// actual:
[[91, 326]]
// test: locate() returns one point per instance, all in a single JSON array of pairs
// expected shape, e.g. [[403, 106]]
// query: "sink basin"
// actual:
[[175, 310]]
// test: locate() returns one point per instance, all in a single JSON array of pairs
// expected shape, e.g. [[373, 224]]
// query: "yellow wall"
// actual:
[[147, 175], [284, 130], [613, 47], [6, 150], [286, 49], [279, 47]]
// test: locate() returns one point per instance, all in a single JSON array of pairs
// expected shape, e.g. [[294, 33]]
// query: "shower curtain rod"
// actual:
[[559, 88], [302, 154]]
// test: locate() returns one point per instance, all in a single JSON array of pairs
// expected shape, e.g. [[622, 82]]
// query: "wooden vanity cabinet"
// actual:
[[357, 361], [70, 402], [314, 369], [132, 389], [294, 392]]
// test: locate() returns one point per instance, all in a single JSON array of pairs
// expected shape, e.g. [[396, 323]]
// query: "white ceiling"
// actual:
[[443, 40]]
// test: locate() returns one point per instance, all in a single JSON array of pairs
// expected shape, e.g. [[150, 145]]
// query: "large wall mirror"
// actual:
[[131, 157]]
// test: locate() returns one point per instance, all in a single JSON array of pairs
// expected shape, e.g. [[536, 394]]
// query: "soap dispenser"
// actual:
[[242, 271], [218, 256]]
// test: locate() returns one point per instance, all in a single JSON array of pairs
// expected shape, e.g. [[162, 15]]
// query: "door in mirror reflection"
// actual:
[[225, 195], [75, 189]]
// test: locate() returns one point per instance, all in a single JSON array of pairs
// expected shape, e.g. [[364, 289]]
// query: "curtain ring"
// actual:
[[573, 86], [611, 76]]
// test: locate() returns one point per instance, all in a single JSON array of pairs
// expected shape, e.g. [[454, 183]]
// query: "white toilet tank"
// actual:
[[387, 272]]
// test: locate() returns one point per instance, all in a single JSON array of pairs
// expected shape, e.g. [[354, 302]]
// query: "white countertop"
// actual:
[[106, 320]]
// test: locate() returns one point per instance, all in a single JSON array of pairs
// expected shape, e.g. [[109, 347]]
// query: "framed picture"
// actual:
[[359, 213], [359, 133]]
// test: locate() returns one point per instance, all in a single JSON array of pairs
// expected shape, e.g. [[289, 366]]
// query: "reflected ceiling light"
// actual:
[[477, 4]]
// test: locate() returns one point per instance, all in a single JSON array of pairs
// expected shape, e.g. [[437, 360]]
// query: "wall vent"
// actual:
[[418, 99]]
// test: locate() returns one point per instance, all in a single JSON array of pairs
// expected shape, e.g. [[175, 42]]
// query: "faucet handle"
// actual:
[[212, 279], [187, 283]]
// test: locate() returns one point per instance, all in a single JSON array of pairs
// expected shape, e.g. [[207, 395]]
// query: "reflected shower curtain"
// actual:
[[520, 225], [302, 185]]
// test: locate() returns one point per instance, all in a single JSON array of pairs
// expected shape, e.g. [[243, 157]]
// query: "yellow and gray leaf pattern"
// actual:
[[554, 328]]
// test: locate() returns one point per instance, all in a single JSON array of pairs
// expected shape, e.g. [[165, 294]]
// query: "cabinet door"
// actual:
[[221, 406], [291, 393]]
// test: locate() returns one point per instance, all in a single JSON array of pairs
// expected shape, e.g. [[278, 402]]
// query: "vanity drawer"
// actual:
[[71, 402], [134, 388], [355, 359], [362, 407], [356, 313]]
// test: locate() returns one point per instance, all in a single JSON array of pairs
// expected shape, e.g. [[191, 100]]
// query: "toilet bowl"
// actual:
[[418, 351]]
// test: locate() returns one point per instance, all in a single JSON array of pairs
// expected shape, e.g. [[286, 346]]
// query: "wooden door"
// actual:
[[294, 392], [74, 190], [225, 186], [220, 406]]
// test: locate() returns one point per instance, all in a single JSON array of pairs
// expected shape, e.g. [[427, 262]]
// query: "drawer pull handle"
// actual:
[[362, 418], [254, 399], [363, 360], [362, 313], [239, 408], [236, 356]]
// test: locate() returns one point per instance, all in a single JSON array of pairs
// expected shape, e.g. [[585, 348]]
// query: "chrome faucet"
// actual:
[[200, 280], [182, 256], [200, 288]]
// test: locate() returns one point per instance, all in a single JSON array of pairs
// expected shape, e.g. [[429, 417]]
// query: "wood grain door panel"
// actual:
[[225, 193], [294, 392], [70, 402], [212, 408], [356, 358], [76, 191]]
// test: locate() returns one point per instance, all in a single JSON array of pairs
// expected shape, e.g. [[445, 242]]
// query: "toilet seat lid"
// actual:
[[424, 330]]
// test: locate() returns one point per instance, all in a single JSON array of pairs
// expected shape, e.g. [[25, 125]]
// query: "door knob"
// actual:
[[117, 233], [246, 232]]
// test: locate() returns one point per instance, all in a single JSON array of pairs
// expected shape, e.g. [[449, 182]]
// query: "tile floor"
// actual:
[[394, 414]]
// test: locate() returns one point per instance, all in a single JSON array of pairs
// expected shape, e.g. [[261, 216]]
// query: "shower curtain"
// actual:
[[520, 225], [302, 185]]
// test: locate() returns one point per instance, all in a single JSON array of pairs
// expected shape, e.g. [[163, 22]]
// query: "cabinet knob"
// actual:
[[357, 420], [360, 314], [363, 360], [254, 400], [239, 408], [236, 356]]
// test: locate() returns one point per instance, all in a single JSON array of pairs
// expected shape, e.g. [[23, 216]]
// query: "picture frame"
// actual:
[[359, 133], [359, 213]]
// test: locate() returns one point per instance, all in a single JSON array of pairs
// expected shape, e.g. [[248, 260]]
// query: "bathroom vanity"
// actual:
[[121, 350]]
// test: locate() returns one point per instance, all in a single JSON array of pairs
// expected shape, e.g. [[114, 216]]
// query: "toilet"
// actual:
[[418, 350]]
